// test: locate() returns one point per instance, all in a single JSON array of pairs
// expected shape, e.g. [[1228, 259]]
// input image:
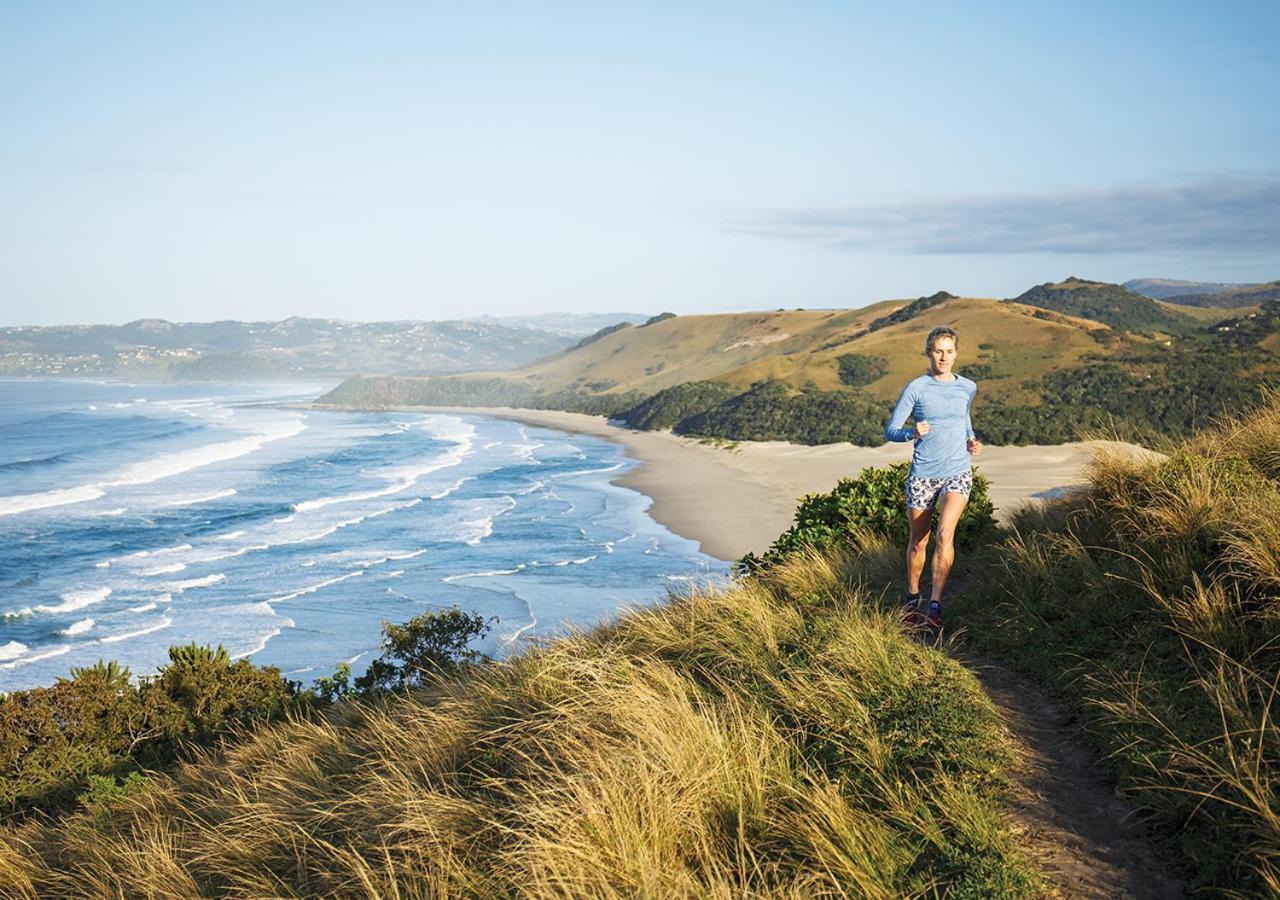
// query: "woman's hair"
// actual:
[[940, 332]]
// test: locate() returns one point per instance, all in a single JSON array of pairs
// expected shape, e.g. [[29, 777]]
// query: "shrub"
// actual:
[[428, 645], [98, 722], [872, 502], [670, 407], [772, 411], [857, 369]]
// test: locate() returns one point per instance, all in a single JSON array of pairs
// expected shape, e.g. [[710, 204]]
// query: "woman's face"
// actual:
[[942, 355]]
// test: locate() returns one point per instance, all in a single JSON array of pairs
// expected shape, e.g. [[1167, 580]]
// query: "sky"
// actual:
[[422, 160]]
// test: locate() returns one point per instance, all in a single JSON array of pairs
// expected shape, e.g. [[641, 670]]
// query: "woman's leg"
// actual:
[[917, 546], [950, 506]]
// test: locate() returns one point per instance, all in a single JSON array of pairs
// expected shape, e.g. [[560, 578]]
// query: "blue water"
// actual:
[[136, 517]]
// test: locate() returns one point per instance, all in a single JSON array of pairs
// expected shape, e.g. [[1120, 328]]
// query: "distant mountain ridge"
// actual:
[[567, 324], [295, 347], [1170, 288], [1235, 296]]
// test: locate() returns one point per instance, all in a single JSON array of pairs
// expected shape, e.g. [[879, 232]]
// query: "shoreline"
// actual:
[[732, 500]]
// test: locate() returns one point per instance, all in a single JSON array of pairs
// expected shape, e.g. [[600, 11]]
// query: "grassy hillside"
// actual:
[[1151, 602], [1047, 372], [781, 738], [1148, 600], [799, 349]]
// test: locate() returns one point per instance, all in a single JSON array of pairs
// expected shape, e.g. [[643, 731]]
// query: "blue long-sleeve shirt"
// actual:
[[945, 406]]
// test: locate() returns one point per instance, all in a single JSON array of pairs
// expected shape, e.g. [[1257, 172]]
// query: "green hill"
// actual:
[[1110, 304]]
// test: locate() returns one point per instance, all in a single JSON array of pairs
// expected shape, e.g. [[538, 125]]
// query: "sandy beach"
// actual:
[[739, 499]]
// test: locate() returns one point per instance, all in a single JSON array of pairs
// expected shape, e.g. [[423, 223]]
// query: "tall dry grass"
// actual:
[[780, 738], [1152, 600]]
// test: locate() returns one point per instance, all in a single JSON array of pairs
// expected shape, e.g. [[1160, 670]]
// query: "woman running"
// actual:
[[938, 403]]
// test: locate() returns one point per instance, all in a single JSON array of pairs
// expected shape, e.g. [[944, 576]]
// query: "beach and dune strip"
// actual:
[[781, 737]]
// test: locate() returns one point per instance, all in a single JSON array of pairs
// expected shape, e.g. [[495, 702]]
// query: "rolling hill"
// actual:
[[1110, 304]]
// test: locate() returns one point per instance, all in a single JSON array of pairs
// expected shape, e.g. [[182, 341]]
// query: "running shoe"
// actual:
[[911, 612], [933, 618]]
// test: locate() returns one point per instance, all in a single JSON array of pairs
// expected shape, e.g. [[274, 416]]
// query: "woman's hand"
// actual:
[[974, 446], [923, 428]]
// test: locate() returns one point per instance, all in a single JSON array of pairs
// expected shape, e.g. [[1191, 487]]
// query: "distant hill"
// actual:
[[1234, 296], [1110, 304], [1169, 288], [296, 347], [566, 324]]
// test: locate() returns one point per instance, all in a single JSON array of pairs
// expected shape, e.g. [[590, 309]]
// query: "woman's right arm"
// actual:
[[893, 431]]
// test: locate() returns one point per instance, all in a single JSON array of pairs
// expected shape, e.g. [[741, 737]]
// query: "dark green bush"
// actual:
[[875, 501], [670, 407], [857, 369], [99, 722], [771, 411], [433, 643]]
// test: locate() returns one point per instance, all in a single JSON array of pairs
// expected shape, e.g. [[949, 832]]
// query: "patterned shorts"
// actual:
[[922, 493]]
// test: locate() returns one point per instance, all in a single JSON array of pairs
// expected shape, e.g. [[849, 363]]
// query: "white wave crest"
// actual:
[[312, 588], [12, 650], [163, 570], [450, 579], [36, 657], [146, 607], [164, 623], [78, 628], [203, 498], [169, 464], [74, 600], [20, 503], [205, 581]]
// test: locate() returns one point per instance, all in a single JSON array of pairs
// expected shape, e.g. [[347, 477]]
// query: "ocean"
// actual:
[[137, 517]]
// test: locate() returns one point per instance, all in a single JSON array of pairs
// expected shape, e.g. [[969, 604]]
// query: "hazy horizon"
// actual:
[[427, 162]]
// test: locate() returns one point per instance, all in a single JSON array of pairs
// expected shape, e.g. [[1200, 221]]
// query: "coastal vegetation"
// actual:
[[779, 737], [871, 502], [92, 735], [782, 735]]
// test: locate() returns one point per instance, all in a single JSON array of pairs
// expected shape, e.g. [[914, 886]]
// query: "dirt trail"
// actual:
[[1065, 805]]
